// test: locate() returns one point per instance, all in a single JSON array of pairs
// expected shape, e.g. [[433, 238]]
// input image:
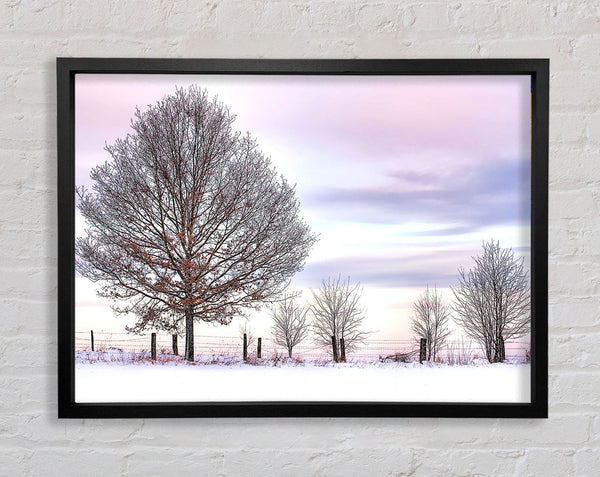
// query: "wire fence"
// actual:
[[231, 346]]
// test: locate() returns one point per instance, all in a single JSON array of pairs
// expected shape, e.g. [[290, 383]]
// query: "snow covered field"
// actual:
[[114, 379]]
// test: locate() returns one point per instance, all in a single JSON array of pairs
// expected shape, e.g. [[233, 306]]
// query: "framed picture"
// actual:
[[302, 238]]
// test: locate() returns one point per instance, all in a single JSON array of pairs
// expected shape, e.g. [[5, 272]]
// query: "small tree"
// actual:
[[430, 321], [336, 312], [290, 323], [244, 329], [493, 301]]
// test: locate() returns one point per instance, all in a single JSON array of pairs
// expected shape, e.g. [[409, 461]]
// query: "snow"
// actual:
[[113, 377]]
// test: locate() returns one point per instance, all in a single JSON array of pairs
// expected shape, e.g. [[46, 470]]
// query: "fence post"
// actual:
[[175, 349], [245, 352], [259, 348], [153, 346], [335, 350], [342, 350], [423, 351], [92, 338]]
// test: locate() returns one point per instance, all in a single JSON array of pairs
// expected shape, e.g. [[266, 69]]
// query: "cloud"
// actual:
[[436, 267], [464, 199]]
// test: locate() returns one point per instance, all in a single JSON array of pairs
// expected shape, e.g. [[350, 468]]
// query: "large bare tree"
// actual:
[[493, 299], [430, 320], [189, 221], [290, 323], [336, 313]]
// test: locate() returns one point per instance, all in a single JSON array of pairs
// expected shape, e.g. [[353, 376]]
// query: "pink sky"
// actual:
[[403, 177]]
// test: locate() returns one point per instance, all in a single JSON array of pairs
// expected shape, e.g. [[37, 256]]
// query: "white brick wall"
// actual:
[[33, 442]]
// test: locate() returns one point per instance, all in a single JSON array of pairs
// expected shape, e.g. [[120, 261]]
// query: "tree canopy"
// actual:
[[189, 221], [337, 313], [430, 320], [492, 299], [290, 323]]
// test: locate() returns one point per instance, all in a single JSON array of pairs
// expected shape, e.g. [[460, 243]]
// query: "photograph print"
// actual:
[[302, 238]]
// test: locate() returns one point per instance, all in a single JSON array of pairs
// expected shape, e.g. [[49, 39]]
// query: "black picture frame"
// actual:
[[67, 68]]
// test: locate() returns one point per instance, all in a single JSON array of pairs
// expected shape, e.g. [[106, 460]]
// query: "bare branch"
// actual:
[[244, 329], [430, 321], [189, 219], [493, 300], [336, 312], [290, 323]]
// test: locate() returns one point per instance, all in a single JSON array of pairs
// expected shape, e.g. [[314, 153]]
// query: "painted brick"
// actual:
[[74, 462], [572, 313], [576, 388], [575, 351], [547, 462], [587, 461], [33, 34]]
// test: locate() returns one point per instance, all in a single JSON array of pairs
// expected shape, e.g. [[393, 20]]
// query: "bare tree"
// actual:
[[430, 321], [290, 323], [336, 313], [245, 329], [459, 352], [189, 221], [493, 300]]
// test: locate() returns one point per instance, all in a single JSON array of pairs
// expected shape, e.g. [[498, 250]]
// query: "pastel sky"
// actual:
[[402, 177]]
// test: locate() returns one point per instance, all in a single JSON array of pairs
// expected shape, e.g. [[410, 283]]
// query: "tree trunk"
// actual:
[[189, 337], [488, 352], [175, 350], [422, 350], [290, 351], [500, 350], [334, 347]]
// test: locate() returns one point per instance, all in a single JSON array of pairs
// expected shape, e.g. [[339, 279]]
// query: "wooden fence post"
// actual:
[[423, 351], [259, 348], [245, 352], [342, 350], [92, 338], [153, 346], [175, 349], [335, 350]]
